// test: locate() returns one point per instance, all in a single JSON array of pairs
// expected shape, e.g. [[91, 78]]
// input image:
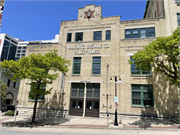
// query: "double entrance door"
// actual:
[[91, 107], [84, 93]]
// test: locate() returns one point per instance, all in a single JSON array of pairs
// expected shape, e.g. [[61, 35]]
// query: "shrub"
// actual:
[[10, 113]]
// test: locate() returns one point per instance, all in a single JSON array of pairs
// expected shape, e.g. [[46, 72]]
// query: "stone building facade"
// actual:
[[91, 43], [170, 9]]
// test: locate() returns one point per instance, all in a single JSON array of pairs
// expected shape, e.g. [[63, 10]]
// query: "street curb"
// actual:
[[93, 127], [111, 128]]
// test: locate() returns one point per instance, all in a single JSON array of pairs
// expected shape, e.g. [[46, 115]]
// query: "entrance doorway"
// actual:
[[77, 99], [76, 107], [92, 108]]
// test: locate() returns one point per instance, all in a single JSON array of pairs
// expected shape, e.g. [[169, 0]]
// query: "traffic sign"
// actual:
[[116, 99]]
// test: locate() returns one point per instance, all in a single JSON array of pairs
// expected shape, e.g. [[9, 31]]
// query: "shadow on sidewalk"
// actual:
[[26, 122], [145, 123]]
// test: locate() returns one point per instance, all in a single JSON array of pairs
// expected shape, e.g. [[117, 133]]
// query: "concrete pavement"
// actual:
[[88, 122], [81, 131]]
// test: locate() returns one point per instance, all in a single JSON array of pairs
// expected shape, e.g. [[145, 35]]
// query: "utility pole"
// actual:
[[116, 98], [116, 123], [107, 95]]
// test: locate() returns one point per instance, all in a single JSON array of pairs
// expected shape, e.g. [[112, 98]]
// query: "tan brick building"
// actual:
[[91, 43]]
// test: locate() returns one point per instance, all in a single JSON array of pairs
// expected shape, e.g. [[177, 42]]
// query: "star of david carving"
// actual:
[[89, 14]]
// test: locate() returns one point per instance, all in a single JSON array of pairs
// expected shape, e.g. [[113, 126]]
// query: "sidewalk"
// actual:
[[88, 122]]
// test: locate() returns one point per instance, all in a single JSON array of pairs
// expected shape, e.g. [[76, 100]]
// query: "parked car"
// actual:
[[7, 107]]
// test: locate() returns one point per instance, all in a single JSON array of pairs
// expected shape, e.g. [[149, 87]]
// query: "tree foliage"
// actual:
[[161, 55], [3, 88], [40, 69]]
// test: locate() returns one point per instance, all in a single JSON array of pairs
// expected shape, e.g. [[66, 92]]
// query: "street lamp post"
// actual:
[[116, 98]]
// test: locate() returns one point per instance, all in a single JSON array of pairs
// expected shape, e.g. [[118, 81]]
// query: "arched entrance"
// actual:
[[9, 98]]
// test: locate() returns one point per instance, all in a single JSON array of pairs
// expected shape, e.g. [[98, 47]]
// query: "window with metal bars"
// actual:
[[76, 65], [142, 95], [96, 65]]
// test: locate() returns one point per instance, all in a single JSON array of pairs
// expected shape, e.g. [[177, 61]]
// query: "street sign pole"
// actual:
[[15, 111]]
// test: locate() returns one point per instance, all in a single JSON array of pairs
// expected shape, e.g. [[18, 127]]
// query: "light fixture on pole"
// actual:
[[116, 98], [119, 80], [111, 80]]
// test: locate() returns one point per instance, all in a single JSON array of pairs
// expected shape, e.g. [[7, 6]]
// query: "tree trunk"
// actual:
[[34, 110], [35, 105]]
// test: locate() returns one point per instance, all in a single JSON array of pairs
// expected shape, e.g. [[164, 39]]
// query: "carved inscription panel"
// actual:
[[87, 49]]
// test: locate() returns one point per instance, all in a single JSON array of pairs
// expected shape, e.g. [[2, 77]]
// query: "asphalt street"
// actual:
[[82, 131]]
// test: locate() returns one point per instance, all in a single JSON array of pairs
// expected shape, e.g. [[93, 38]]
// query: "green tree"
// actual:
[[161, 55], [38, 68], [3, 88]]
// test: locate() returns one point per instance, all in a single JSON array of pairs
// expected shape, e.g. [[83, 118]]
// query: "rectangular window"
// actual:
[[135, 33], [97, 35], [24, 47], [142, 95], [8, 83], [135, 71], [143, 33], [140, 33], [69, 37], [89, 90], [79, 36], [96, 65], [42, 87], [178, 18], [127, 33], [93, 90], [108, 35], [150, 32], [96, 90], [77, 90], [14, 84], [76, 65], [24, 51], [17, 58]]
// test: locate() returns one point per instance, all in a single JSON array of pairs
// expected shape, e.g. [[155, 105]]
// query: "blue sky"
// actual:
[[40, 20]]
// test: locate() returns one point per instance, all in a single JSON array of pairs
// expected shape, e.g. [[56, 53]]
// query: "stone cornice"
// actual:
[[141, 20], [132, 46], [129, 50], [88, 25], [131, 39], [77, 43]]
